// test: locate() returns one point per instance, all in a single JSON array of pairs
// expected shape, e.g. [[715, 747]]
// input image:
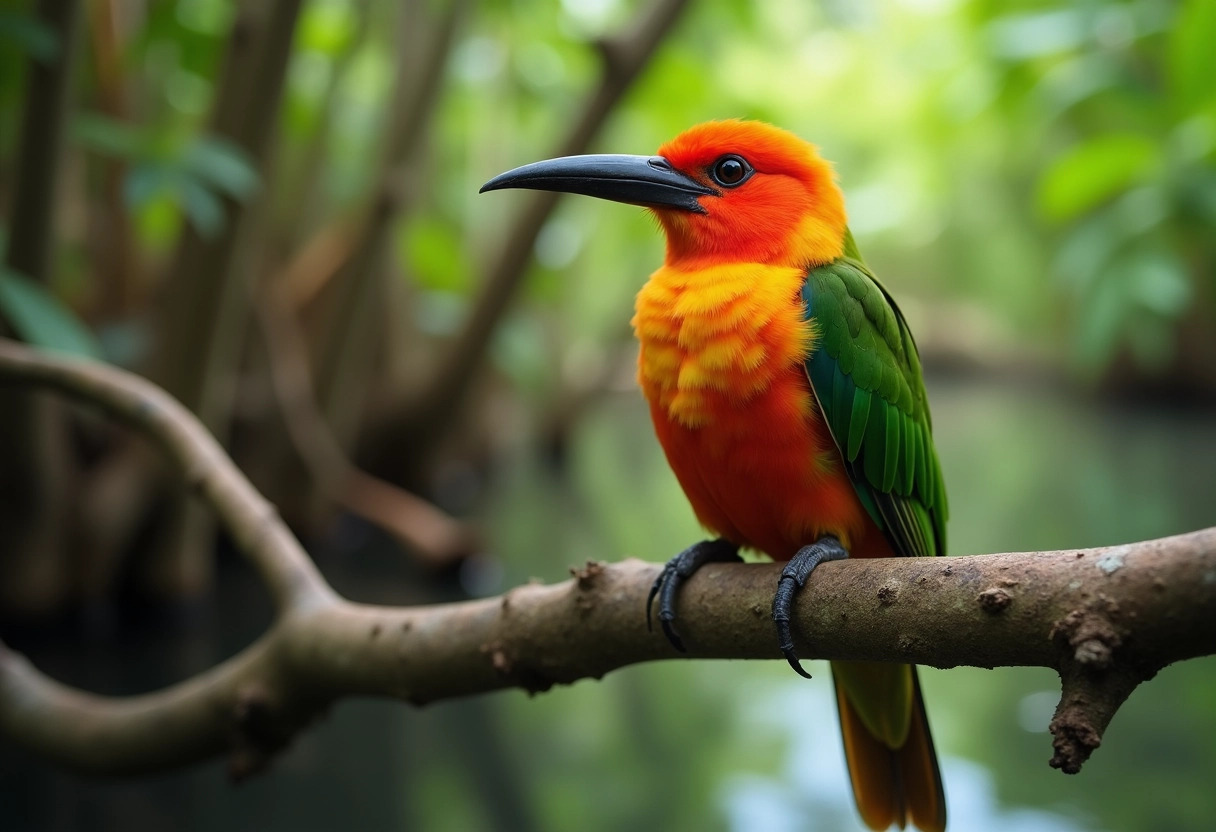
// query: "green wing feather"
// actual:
[[866, 376]]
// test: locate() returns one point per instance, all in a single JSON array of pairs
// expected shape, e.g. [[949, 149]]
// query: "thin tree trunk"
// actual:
[[37, 471], [298, 206], [407, 435], [205, 315], [48, 89], [117, 275], [354, 329]]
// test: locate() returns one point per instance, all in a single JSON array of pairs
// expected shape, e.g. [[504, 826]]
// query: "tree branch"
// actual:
[[1106, 619], [292, 578], [624, 56], [433, 536]]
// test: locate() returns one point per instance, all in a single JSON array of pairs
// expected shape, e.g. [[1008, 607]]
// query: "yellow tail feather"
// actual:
[[893, 786]]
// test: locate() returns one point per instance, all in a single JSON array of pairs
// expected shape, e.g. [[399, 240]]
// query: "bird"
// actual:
[[786, 391]]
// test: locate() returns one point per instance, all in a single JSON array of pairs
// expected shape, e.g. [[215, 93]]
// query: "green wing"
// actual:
[[866, 376]]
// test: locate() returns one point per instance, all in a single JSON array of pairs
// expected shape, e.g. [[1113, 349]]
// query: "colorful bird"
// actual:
[[786, 391]]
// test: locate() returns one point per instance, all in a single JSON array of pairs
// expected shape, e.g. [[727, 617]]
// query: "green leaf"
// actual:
[[1192, 58], [222, 165], [40, 319], [110, 137], [1085, 251], [1076, 79], [159, 221], [203, 207], [1095, 171], [1160, 281], [145, 182]]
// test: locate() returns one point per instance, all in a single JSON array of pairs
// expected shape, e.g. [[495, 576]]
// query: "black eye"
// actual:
[[730, 171]]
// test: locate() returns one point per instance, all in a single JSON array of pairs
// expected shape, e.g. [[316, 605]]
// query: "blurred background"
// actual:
[[270, 208]]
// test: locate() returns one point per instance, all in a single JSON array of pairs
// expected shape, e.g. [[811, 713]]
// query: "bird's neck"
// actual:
[[814, 236], [714, 337]]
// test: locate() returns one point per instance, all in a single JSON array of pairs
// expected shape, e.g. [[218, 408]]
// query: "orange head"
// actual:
[[777, 201], [723, 191]]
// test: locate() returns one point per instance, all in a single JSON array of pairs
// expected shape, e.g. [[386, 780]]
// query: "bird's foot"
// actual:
[[675, 572], [793, 577]]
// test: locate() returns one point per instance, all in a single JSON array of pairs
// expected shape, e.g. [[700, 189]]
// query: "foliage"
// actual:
[[1133, 184], [167, 167], [38, 317], [937, 115]]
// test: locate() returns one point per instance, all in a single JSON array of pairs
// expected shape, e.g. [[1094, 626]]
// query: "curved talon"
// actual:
[[670, 632], [781, 617], [672, 576], [654, 590], [792, 658], [793, 578]]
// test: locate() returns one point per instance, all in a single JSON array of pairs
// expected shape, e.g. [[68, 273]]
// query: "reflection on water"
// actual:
[[702, 745], [807, 793]]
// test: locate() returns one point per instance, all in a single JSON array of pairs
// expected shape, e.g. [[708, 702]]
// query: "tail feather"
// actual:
[[894, 786]]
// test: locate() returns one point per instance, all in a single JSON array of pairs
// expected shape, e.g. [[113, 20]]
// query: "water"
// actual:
[[702, 745]]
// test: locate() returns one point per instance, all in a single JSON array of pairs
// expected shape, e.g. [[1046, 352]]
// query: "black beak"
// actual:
[[638, 180]]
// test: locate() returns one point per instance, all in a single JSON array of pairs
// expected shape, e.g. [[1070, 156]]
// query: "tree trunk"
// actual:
[[204, 317], [35, 479]]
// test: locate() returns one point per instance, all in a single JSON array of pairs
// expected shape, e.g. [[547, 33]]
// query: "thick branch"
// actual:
[[252, 521], [1150, 604], [1106, 619], [1157, 607]]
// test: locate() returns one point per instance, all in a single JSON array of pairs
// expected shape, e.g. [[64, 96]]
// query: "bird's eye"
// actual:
[[731, 171]]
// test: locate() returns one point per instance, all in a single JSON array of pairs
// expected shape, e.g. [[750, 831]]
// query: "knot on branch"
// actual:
[[517, 673], [585, 577], [994, 600], [259, 732], [887, 595], [586, 580], [1090, 635]]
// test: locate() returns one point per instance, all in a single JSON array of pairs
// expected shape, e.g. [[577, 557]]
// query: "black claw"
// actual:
[[792, 658], [793, 578], [670, 632], [673, 575], [786, 588], [787, 648], [654, 590]]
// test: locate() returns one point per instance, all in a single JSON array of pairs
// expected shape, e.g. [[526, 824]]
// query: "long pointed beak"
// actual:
[[637, 180]]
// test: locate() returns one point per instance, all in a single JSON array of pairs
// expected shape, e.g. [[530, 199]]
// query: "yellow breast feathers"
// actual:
[[715, 337]]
